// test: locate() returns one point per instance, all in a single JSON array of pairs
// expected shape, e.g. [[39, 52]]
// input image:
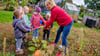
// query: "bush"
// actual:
[[43, 14], [30, 10], [90, 14], [11, 8]]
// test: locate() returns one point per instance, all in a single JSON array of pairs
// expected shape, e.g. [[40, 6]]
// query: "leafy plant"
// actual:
[[7, 54], [38, 44], [24, 3], [43, 46], [11, 3], [43, 14], [32, 48], [82, 14], [11, 8], [90, 14], [32, 1]]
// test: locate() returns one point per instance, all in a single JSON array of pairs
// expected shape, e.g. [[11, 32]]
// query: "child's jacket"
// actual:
[[47, 27], [35, 20], [27, 22], [20, 28]]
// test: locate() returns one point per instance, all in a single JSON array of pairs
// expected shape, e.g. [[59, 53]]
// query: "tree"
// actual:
[[32, 1], [24, 3], [93, 4]]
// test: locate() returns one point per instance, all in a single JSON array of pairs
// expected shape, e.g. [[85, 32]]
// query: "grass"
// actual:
[[7, 54], [78, 25], [6, 16]]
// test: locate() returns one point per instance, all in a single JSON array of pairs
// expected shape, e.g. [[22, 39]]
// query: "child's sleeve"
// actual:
[[27, 26], [52, 18], [42, 19], [32, 20], [22, 27]]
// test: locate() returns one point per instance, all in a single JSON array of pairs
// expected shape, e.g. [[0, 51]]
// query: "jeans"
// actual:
[[18, 43], [66, 30], [46, 32], [35, 32]]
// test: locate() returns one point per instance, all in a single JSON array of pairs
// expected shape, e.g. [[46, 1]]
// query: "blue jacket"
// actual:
[[20, 28]]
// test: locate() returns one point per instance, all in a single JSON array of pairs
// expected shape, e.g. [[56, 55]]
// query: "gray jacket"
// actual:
[[20, 29]]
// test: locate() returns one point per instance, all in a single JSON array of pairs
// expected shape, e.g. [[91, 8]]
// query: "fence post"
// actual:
[[4, 46]]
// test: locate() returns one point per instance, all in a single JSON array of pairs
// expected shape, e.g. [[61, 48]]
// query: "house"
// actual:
[[72, 10]]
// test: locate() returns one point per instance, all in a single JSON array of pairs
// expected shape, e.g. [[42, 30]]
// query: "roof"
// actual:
[[71, 7], [78, 2]]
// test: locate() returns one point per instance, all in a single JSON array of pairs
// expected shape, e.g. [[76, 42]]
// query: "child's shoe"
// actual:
[[33, 38], [19, 51], [48, 39], [43, 38], [36, 37]]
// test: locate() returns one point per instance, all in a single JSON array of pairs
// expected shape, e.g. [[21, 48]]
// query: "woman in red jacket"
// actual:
[[62, 18]]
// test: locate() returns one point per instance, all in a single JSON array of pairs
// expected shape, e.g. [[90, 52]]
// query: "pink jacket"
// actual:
[[59, 15], [35, 20]]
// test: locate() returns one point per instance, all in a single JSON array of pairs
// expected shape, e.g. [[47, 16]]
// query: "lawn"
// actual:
[[82, 41], [6, 16]]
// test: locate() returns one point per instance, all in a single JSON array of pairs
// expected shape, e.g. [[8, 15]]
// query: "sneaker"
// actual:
[[33, 38], [47, 38], [60, 48], [19, 51], [43, 38], [36, 37]]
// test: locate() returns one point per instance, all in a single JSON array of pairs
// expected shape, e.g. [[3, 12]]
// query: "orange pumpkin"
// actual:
[[37, 53]]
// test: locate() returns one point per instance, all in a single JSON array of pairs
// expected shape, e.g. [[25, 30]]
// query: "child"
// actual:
[[47, 28], [35, 21], [25, 18], [19, 7], [20, 29]]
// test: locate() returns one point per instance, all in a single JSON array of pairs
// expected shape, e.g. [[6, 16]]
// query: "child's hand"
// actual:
[[31, 30], [44, 25], [31, 26]]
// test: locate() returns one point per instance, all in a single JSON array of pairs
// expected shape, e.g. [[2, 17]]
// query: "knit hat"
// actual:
[[38, 9]]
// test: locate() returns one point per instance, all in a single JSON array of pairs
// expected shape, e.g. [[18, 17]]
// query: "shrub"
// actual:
[[43, 14], [11, 8], [90, 14], [30, 10]]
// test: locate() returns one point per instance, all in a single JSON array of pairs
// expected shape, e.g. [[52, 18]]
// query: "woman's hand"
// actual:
[[31, 26]]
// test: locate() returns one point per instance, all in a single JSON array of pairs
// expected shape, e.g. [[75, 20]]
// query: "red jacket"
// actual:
[[35, 20], [59, 15]]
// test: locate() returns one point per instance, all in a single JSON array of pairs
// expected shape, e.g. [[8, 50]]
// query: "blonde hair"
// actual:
[[48, 14], [17, 13], [25, 7], [19, 7], [51, 2]]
